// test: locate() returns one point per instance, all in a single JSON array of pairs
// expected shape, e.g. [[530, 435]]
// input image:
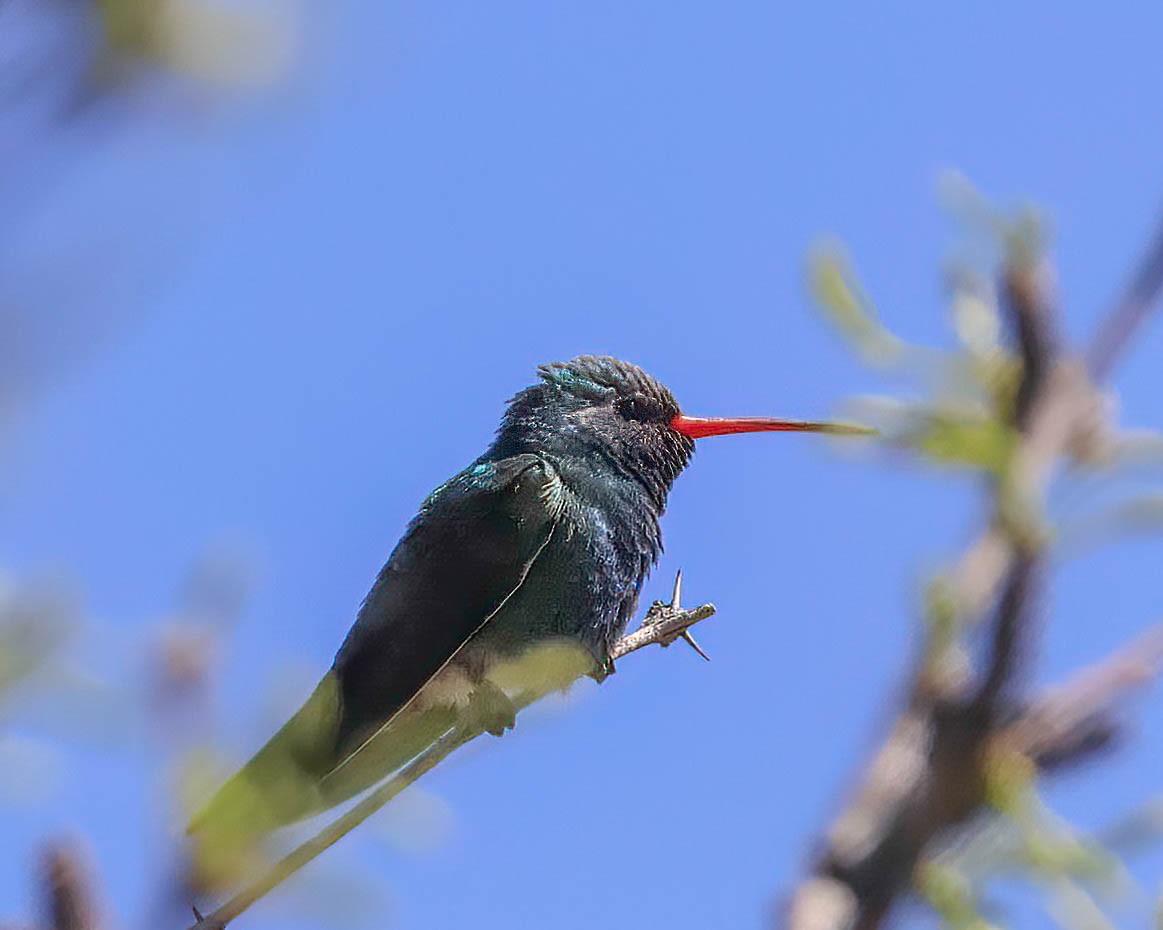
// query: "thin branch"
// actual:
[[1033, 318], [929, 773], [1009, 632], [663, 624], [1067, 406], [334, 831], [981, 569], [1067, 720], [1121, 325], [1066, 724]]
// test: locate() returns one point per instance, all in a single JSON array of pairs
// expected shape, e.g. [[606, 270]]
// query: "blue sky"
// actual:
[[323, 300]]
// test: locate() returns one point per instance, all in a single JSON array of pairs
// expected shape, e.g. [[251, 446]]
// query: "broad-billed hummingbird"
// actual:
[[517, 576]]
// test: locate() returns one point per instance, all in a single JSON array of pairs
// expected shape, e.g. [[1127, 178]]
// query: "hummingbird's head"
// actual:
[[603, 410]]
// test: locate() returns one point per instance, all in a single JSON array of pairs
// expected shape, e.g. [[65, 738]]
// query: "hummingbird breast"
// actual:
[[576, 600]]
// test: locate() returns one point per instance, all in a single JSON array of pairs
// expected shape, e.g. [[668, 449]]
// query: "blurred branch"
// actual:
[[933, 771], [1073, 719], [1067, 724], [68, 895], [1120, 326], [35, 622], [662, 625]]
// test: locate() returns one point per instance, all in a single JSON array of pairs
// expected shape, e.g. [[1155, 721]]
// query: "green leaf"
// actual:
[[977, 442], [835, 289]]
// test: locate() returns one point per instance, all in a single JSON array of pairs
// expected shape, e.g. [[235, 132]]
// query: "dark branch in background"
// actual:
[[663, 624], [1032, 317], [1121, 325], [67, 890], [1072, 720], [931, 773]]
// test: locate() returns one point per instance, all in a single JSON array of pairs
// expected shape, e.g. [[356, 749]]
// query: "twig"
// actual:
[[930, 771], [1072, 718], [1066, 724], [981, 569], [1121, 324], [663, 624], [334, 831]]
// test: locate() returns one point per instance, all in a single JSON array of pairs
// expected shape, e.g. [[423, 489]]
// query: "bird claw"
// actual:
[[675, 607], [603, 670]]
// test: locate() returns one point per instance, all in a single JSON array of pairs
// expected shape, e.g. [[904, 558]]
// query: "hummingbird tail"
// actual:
[[277, 787], [296, 775]]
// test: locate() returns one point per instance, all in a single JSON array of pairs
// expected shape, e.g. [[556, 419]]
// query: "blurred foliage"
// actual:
[[965, 418], [1082, 876], [958, 404], [84, 64], [956, 411], [836, 289], [74, 76], [78, 80], [59, 692], [34, 625], [952, 897], [220, 42]]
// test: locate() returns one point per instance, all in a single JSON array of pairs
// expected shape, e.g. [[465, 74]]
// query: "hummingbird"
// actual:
[[515, 578]]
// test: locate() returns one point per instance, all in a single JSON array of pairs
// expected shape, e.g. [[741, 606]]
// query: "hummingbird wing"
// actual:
[[466, 552]]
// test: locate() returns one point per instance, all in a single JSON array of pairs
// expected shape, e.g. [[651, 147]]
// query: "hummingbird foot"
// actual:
[[603, 670], [489, 710], [663, 624]]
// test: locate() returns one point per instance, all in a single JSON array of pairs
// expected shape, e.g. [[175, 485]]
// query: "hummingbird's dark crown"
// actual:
[[596, 377], [597, 414]]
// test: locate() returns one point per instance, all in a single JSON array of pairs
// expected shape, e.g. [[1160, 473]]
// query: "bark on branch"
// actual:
[[930, 773]]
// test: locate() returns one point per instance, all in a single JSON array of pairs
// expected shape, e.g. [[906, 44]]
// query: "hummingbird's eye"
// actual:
[[639, 407]]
